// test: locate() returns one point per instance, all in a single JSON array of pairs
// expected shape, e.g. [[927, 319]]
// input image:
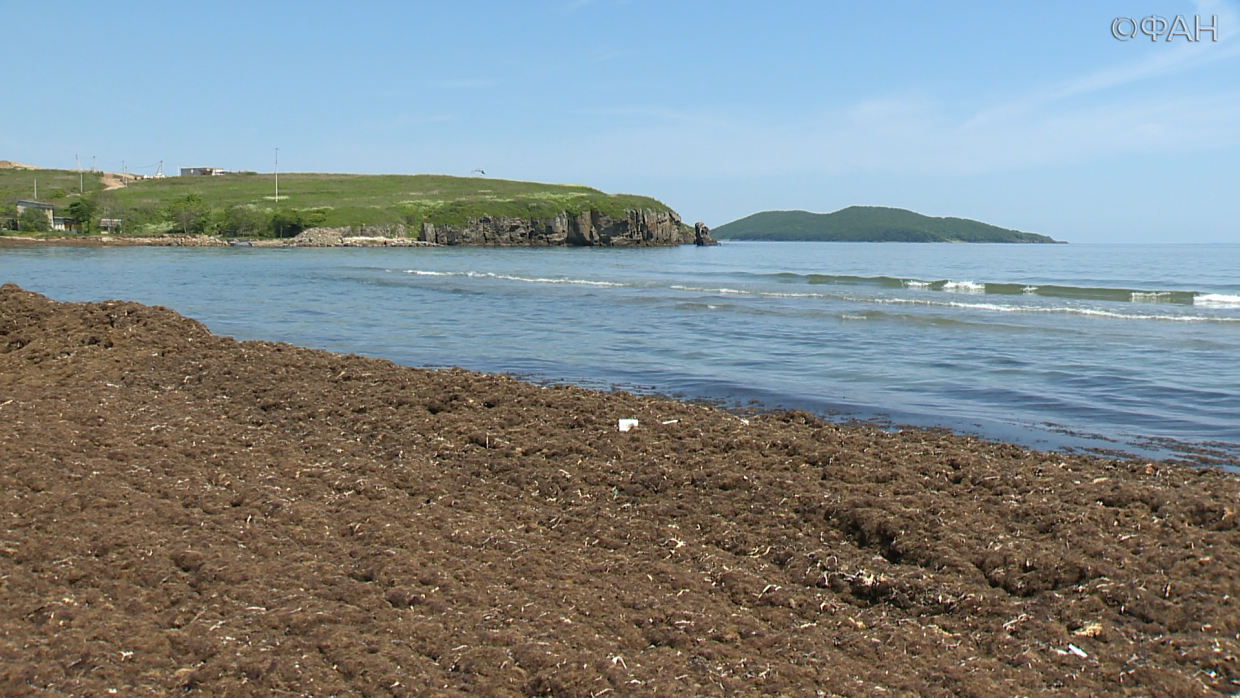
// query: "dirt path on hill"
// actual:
[[111, 180], [181, 513]]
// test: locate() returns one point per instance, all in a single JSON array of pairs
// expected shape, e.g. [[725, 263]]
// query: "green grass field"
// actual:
[[335, 199], [57, 187]]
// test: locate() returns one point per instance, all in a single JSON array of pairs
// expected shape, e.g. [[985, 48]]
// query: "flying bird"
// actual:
[[480, 171]]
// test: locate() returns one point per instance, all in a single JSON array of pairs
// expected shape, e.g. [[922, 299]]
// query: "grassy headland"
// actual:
[[244, 204], [867, 224]]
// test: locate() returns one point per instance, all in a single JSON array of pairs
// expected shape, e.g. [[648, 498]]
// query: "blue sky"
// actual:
[[1030, 116]]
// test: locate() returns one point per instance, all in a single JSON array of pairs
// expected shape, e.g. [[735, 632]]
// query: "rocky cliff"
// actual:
[[588, 228]]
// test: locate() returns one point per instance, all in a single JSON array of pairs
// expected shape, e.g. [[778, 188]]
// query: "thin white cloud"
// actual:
[[1072, 121], [1152, 62]]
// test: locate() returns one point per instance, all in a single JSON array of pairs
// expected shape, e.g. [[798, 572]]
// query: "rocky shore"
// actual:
[[589, 229], [182, 513]]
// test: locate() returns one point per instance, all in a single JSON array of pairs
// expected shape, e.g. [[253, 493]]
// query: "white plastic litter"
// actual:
[[626, 424]]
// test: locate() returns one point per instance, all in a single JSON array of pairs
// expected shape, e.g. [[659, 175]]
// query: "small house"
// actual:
[[66, 224], [201, 171]]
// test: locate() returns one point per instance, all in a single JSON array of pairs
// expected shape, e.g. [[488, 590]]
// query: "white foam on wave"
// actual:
[[509, 277], [743, 292], [540, 280], [1029, 290], [1218, 300], [964, 287], [1088, 312], [1150, 296], [916, 284]]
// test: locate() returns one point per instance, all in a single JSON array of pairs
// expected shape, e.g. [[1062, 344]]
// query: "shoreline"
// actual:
[[207, 241], [1060, 435], [190, 512]]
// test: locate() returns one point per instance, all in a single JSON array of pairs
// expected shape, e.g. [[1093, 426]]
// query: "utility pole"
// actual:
[[94, 163]]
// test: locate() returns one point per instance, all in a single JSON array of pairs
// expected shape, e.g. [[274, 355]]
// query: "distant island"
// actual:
[[867, 224]]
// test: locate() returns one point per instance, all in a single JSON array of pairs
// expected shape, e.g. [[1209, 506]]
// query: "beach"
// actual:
[[184, 512]]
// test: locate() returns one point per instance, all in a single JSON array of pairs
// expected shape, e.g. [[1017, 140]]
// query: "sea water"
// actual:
[[1126, 347]]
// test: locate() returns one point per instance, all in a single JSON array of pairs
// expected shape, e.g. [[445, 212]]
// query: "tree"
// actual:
[[287, 223], [33, 220], [245, 220], [191, 214], [8, 216], [84, 211]]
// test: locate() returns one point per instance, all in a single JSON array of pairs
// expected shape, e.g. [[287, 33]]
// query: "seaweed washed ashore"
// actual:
[[186, 513]]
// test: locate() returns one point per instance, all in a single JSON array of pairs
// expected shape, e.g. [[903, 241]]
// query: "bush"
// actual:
[[245, 220], [191, 214], [33, 220], [287, 223]]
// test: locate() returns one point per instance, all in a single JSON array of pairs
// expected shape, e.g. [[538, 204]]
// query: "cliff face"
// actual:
[[589, 228]]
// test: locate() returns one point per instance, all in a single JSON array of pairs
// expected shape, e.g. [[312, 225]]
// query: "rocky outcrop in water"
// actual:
[[701, 235], [588, 228]]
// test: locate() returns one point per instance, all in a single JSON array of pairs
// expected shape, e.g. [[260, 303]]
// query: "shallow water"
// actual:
[[1086, 346]]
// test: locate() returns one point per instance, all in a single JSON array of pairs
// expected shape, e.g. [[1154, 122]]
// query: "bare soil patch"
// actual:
[[184, 513]]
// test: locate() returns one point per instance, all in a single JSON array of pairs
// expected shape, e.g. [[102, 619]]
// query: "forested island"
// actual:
[[867, 224]]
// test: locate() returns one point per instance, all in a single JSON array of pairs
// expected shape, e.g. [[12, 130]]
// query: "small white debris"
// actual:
[[1077, 651], [671, 421], [626, 424]]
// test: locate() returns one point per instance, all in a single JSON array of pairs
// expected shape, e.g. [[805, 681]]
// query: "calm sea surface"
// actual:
[[1105, 346]]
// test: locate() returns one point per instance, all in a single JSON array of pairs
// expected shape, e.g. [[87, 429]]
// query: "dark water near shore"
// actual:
[[1134, 348]]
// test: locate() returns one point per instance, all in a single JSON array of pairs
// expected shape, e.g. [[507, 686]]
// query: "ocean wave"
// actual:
[[964, 287], [1211, 300], [1033, 309], [1217, 300], [521, 279], [1003, 288], [991, 307], [748, 292]]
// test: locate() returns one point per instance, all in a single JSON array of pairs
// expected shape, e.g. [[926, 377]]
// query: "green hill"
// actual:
[[866, 224], [245, 203]]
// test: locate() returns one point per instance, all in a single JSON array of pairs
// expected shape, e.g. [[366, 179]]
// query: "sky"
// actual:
[[1031, 116]]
